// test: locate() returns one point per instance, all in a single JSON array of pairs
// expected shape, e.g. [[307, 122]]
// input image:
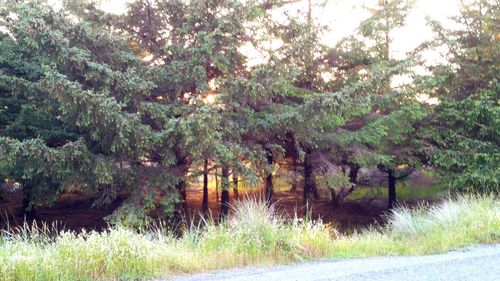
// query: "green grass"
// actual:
[[254, 235], [404, 192]]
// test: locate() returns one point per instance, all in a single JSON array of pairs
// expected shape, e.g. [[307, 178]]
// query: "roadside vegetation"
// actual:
[[129, 118], [252, 235]]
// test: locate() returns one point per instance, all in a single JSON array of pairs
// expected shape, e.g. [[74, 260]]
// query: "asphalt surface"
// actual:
[[477, 263]]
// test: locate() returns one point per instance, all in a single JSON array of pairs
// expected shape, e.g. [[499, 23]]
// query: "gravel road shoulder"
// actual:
[[475, 263]]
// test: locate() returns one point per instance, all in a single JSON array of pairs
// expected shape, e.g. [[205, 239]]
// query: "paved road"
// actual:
[[480, 263]]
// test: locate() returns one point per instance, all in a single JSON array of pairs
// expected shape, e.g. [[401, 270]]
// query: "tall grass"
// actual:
[[253, 235]]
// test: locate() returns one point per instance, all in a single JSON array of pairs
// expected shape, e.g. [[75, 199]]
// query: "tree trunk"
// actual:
[[309, 184], [315, 190], [269, 179], [29, 212], [353, 173], [181, 187], [235, 186], [2, 182], [392, 188], [224, 202], [216, 185], [295, 181], [204, 204], [295, 156], [335, 202]]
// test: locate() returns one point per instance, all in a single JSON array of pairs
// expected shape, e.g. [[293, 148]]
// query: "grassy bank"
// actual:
[[253, 236]]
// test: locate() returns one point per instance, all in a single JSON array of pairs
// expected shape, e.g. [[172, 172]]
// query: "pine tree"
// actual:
[[308, 111], [464, 130], [387, 137], [78, 125]]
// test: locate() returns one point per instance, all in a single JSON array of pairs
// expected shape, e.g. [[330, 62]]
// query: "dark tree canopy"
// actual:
[[464, 129]]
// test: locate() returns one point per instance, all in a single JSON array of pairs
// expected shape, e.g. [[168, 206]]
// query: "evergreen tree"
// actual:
[[84, 86], [464, 130], [201, 79], [309, 111], [388, 136]]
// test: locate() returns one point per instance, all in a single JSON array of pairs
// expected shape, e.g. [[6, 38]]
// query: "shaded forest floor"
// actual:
[[349, 214], [366, 206], [74, 211]]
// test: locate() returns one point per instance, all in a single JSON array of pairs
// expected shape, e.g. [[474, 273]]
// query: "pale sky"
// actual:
[[343, 16]]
